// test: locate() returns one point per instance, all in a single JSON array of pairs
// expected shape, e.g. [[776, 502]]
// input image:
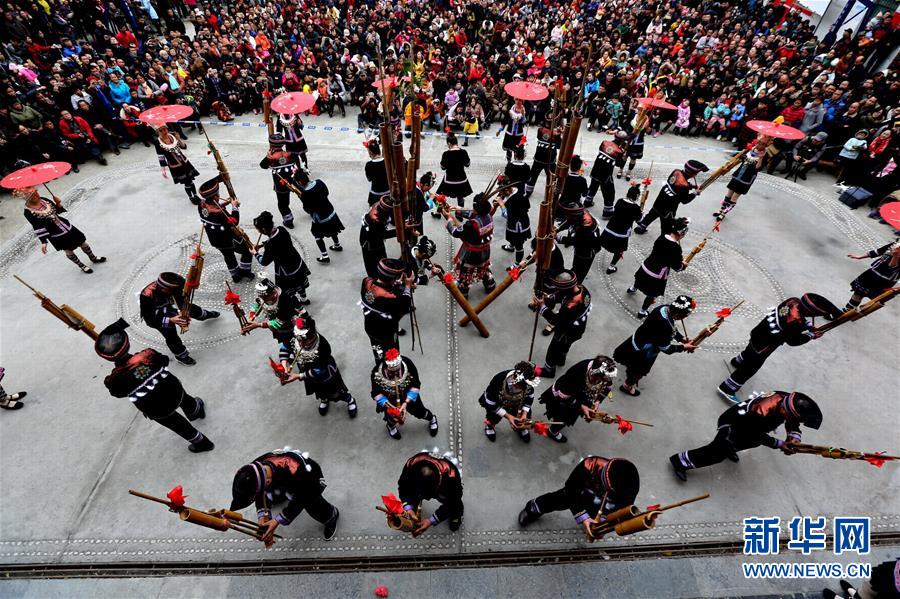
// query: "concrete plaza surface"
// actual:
[[68, 459]]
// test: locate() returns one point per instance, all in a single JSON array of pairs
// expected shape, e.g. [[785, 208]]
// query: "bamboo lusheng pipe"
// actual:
[[448, 282], [69, 315], [640, 521], [625, 513], [501, 287], [865, 309], [399, 522], [725, 168]]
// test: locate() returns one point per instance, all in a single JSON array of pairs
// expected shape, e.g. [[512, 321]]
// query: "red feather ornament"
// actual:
[[381, 591], [723, 313], [655, 506], [448, 278], [277, 368], [392, 354], [177, 496], [232, 298], [541, 429], [514, 273]]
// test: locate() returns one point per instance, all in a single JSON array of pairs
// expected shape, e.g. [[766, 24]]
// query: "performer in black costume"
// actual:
[[514, 127], [518, 224], [569, 322], [291, 272], [169, 153], [44, 217], [638, 352], [310, 352], [548, 142], [791, 322], [325, 219], [575, 185], [282, 164], [597, 486], [747, 425], [144, 378], [432, 476], [679, 189], [161, 303], [614, 238], [509, 395], [278, 476], [396, 390], [610, 154], [633, 153], [881, 275], [454, 162], [579, 229], [376, 228], [219, 218], [652, 276], [386, 299], [576, 393], [376, 173], [290, 126], [742, 178]]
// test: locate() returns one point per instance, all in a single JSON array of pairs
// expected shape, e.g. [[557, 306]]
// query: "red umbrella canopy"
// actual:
[[526, 90], [167, 113], [891, 213], [293, 103], [35, 174], [776, 129], [656, 103], [389, 81]]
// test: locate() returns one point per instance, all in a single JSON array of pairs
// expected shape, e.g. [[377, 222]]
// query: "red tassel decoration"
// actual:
[[277, 368], [514, 273], [394, 505], [723, 313], [541, 429], [655, 506], [877, 462], [448, 278], [624, 425], [232, 298], [381, 591]]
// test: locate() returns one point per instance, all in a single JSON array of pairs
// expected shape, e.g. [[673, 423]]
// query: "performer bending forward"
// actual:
[[432, 476]]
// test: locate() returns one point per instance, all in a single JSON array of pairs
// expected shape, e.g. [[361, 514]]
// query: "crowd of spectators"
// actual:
[[76, 72]]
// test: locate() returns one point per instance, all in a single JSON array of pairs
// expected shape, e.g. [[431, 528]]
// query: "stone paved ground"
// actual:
[[69, 458]]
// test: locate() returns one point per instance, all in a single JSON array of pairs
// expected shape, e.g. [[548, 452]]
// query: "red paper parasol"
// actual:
[[778, 130], [526, 90], [293, 103], [889, 212], [389, 81], [35, 174], [167, 113], [656, 103]]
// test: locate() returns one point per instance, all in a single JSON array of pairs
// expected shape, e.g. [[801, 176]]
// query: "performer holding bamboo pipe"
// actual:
[[430, 475], [516, 206], [596, 487], [578, 392], [376, 173], [290, 127], [748, 424], [396, 390], [325, 219], [454, 162], [680, 188], [742, 179], [509, 396], [219, 218], [276, 311], [569, 322], [44, 217], [385, 299], [881, 275], [609, 155], [638, 353], [792, 322], [162, 303], [282, 164], [291, 272], [144, 378], [278, 476]]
